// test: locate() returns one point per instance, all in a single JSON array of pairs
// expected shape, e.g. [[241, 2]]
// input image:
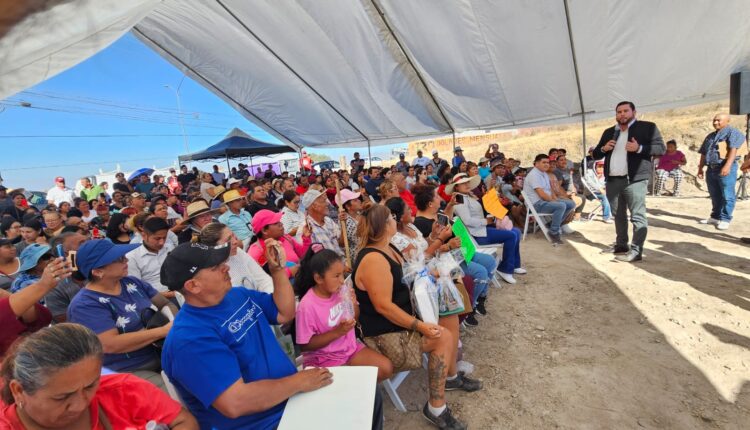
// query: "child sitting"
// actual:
[[325, 318]]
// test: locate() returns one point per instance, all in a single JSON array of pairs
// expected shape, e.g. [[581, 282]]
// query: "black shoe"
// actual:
[[481, 310], [745, 240], [617, 249], [629, 257], [463, 382], [471, 320], [555, 239], [445, 421]]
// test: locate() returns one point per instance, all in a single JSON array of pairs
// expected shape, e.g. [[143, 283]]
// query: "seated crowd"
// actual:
[[198, 275]]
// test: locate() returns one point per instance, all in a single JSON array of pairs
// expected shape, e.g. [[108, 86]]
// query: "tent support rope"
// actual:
[[578, 79]]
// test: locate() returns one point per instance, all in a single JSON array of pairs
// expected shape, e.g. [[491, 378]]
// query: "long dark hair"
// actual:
[[316, 261], [113, 228], [397, 207]]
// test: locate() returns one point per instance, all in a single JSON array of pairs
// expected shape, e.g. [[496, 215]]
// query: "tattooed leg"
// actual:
[[436, 373]]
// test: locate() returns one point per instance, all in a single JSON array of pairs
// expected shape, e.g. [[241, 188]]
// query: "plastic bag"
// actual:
[[446, 265], [449, 298], [413, 265], [425, 295]]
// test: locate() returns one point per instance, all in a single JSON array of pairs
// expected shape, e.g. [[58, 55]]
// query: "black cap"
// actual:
[[188, 259]]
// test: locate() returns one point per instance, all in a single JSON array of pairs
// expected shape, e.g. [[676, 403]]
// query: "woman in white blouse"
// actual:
[[482, 228], [293, 217]]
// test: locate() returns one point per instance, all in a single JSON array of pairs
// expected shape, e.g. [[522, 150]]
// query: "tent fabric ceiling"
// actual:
[[344, 72]]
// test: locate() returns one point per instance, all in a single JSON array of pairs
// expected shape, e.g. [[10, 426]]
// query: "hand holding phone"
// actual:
[[459, 199]]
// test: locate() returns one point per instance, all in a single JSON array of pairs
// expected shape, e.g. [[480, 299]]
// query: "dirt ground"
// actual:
[[585, 342]]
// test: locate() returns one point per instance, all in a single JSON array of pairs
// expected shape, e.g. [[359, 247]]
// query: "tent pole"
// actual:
[[229, 169], [369, 153], [578, 82], [454, 141]]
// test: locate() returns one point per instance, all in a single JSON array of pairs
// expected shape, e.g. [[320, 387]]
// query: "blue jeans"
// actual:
[[606, 210], [721, 190], [560, 209], [480, 268], [511, 240]]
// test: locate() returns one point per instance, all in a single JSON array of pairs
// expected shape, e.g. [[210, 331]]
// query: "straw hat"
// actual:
[[231, 196], [197, 208], [219, 190], [463, 178]]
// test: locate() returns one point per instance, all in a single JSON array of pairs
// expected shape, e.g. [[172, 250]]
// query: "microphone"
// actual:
[[617, 134]]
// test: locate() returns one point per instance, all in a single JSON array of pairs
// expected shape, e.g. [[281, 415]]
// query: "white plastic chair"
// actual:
[[540, 218], [171, 389], [593, 192], [391, 388]]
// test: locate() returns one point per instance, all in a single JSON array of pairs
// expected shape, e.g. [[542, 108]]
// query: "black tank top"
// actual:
[[373, 323]]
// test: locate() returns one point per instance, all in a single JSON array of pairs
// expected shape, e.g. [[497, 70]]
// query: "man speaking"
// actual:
[[627, 149]]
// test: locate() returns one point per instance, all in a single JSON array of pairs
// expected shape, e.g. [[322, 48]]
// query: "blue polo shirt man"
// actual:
[[236, 217], [719, 153]]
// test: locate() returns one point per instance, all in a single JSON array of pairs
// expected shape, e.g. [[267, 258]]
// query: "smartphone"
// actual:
[[442, 219], [459, 199]]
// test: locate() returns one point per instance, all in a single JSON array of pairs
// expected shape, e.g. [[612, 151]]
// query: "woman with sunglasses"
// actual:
[[117, 307]]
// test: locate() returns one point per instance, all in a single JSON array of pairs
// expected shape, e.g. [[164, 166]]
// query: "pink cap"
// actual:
[[347, 195], [263, 218], [59, 179]]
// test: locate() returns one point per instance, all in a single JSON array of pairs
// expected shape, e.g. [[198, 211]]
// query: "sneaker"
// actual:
[[481, 310], [722, 225], [463, 382], [709, 221], [555, 239], [445, 421], [471, 320], [519, 271], [608, 221], [567, 229], [616, 249], [507, 277]]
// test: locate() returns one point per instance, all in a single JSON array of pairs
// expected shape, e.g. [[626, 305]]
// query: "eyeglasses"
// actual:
[[296, 202]]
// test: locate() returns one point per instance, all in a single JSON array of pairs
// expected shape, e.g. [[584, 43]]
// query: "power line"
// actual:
[[85, 164], [97, 136]]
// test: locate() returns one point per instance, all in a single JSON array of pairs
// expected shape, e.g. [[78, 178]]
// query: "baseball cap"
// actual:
[[98, 253], [434, 152], [265, 217], [59, 179], [483, 160], [185, 261], [309, 197], [137, 195], [401, 155], [458, 149], [346, 195]]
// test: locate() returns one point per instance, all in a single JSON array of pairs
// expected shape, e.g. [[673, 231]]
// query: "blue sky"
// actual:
[[119, 91]]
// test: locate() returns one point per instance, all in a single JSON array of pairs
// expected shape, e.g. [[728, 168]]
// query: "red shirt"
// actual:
[[408, 198], [128, 401], [441, 193], [13, 327], [301, 190]]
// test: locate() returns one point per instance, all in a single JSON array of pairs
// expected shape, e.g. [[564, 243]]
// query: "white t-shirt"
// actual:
[[56, 195], [618, 162]]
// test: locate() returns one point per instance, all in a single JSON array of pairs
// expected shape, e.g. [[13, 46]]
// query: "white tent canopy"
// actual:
[[346, 72]]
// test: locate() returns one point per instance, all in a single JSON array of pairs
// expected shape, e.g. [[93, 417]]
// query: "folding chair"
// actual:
[[171, 389], [591, 191], [536, 217], [391, 386]]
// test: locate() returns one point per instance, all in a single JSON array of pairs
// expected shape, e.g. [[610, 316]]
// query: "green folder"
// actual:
[[468, 248]]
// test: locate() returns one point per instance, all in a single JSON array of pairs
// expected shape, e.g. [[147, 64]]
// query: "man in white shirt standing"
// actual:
[[627, 149], [421, 160], [60, 193], [145, 261]]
